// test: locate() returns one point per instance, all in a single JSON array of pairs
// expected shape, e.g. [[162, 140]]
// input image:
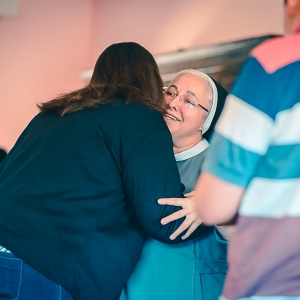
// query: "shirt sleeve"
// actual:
[[150, 174], [244, 129]]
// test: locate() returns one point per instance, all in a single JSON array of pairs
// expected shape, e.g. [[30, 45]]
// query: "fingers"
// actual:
[[191, 221], [180, 229], [190, 194], [191, 229], [174, 216], [171, 201], [186, 224]]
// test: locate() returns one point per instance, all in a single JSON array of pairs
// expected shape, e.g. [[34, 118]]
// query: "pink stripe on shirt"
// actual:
[[264, 258], [287, 51]]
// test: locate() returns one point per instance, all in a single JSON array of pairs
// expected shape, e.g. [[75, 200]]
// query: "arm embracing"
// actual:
[[151, 174]]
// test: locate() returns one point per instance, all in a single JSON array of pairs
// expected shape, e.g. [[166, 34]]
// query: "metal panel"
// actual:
[[221, 61]]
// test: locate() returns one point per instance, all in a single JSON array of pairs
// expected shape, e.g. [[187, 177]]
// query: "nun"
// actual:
[[195, 269]]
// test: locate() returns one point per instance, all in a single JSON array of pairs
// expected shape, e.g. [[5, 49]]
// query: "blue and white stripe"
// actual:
[[229, 127]]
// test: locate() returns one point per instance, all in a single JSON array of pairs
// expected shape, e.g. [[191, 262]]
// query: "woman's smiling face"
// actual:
[[186, 107]]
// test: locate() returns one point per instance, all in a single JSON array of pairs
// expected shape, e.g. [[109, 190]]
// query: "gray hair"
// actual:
[[209, 90]]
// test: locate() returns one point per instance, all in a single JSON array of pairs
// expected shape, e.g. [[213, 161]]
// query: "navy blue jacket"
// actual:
[[78, 194]]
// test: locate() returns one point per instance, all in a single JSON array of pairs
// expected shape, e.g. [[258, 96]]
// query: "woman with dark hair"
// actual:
[[195, 269], [79, 189]]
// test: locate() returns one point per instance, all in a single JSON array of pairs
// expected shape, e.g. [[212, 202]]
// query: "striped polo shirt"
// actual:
[[257, 146]]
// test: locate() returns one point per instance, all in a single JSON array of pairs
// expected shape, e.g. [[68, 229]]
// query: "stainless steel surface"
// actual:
[[221, 61]]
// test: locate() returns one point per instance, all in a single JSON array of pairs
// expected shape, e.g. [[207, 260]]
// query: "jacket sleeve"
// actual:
[[150, 174]]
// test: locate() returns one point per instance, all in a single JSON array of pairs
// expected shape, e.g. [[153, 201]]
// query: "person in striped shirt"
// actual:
[[253, 171], [254, 167]]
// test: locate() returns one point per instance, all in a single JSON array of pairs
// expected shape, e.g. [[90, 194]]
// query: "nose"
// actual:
[[173, 103]]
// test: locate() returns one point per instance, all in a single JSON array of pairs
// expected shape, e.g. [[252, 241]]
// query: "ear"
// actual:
[[293, 7], [202, 121], [200, 132]]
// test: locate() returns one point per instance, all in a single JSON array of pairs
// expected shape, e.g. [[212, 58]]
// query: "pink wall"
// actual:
[[44, 48], [42, 51], [168, 25]]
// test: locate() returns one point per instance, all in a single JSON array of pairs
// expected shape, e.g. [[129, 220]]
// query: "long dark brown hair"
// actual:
[[123, 69]]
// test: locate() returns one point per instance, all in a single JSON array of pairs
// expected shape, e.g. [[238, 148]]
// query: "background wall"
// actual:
[[42, 51], [47, 44], [168, 25]]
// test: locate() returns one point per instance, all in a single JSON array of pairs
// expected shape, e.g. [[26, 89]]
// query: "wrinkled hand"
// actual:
[[192, 221]]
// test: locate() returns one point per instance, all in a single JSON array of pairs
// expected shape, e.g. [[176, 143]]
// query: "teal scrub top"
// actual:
[[192, 270]]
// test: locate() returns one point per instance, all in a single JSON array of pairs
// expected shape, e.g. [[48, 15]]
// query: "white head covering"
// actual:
[[212, 111]]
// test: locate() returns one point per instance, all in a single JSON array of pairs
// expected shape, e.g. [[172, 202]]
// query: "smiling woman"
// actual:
[[195, 269], [188, 100], [76, 217]]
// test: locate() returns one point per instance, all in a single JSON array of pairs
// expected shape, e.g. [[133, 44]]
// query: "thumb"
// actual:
[[190, 194]]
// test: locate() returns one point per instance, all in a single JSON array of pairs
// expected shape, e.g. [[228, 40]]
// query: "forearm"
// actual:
[[151, 175], [217, 200]]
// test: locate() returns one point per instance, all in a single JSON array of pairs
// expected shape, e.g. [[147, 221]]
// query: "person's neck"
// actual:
[[180, 145]]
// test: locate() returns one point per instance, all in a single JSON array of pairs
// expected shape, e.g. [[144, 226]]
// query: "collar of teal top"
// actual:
[[197, 149]]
